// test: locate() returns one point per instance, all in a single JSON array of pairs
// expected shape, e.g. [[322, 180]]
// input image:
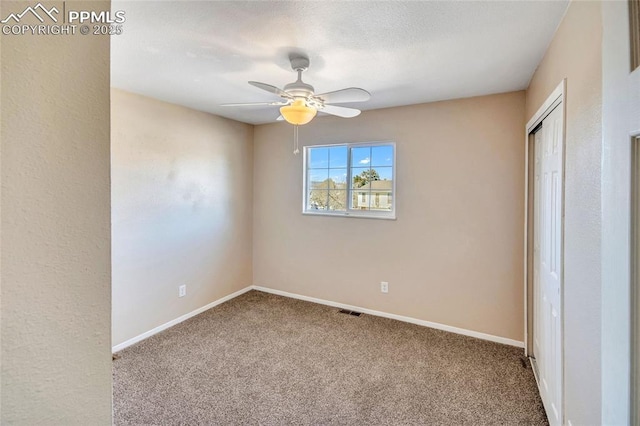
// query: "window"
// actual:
[[350, 180]]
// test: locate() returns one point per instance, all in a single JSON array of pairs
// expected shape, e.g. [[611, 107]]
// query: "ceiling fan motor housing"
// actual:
[[299, 89]]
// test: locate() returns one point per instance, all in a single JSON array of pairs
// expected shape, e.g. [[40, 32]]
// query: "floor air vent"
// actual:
[[348, 312]]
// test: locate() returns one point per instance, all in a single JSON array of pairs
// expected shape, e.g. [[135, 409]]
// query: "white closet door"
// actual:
[[548, 263]]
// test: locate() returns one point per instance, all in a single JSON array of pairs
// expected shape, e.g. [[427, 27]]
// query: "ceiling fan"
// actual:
[[300, 104]]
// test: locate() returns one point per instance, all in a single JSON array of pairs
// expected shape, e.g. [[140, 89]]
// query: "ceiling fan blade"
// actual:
[[341, 111], [351, 94], [269, 88], [255, 103]]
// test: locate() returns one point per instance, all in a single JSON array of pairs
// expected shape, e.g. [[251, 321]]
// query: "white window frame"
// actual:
[[369, 214]]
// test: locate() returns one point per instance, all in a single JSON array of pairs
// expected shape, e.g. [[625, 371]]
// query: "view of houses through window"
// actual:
[[350, 178]]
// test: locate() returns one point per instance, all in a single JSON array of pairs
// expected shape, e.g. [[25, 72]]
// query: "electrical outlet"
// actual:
[[384, 287], [182, 290]]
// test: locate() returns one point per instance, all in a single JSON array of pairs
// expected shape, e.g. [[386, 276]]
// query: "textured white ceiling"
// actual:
[[201, 54]]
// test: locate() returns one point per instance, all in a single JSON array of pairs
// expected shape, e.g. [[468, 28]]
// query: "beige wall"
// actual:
[[575, 53], [453, 256], [182, 189], [55, 312]]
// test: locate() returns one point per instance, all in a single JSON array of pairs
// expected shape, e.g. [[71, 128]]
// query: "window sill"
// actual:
[[355, 215]]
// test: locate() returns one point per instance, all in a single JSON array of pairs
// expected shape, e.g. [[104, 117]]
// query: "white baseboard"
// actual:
[[424, 323], [430, 324], [178, 320]]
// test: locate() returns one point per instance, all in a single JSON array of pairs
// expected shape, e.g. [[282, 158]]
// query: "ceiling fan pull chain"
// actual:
[[296, 144]]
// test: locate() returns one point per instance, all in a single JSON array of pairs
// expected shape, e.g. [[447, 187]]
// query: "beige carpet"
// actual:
[[261, 359]]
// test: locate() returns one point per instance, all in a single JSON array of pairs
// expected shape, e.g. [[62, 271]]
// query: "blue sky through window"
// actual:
[[338, 157], [319, 158], [360, 157], [381, 156], [378, 157], [385, 173]]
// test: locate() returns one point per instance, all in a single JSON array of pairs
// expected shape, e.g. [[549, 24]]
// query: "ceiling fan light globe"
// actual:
[[298, 113]]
